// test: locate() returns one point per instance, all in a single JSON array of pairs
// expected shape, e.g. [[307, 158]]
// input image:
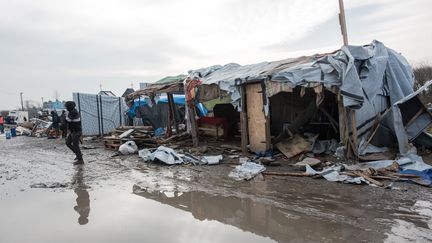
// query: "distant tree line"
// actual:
[[422, 74]]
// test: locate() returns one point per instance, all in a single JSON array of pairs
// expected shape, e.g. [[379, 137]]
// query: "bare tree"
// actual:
[[422, 74]]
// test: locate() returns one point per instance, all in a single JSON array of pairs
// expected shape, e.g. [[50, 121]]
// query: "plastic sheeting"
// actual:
[[367, 76], [246, 171], [100, 114], [170, 157], [129, 147]]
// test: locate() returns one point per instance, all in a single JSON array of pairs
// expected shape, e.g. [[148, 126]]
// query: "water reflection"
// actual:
[[82, 206], [259, 218]]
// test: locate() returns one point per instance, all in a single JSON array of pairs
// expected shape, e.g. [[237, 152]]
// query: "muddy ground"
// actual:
[[44, 198]]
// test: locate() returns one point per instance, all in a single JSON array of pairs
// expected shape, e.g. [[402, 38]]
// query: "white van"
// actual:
[[19, 116]]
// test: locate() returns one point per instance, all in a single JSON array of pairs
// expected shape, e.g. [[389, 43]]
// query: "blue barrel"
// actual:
[[8, 135], [13, 132]]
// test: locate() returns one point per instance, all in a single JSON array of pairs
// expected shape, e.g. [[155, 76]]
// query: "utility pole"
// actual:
[[42, 102], [22, 104], [342, 22]]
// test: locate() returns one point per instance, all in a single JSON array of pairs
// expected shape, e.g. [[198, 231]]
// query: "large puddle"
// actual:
[[107, 201], [106, 215]]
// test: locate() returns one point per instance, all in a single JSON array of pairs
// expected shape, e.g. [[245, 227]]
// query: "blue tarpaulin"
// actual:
[[425, 175], [178, 100]]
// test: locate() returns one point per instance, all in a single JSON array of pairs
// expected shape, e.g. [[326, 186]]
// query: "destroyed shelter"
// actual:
[[160, 105], [362, 96]]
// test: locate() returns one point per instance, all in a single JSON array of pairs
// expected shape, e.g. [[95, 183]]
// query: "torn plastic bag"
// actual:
[[167, 156], [128, 148], [212, 160], [146, 155], [332, 174]]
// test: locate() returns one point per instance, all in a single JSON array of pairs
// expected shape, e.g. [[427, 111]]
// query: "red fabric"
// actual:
[[1, 120], [190, 89]]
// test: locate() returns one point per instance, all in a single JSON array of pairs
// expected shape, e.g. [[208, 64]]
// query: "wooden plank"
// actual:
[[243, 121], [127, 133], [267, 133], [414, 117], [297, 174], [294, 145], [172, 109], [255, 118]]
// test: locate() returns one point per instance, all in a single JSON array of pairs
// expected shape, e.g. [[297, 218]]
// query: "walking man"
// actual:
[[63, 127], [55, 123], [73, 122]]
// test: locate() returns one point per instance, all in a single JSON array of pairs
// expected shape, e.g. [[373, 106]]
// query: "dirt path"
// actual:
[[112, 199]]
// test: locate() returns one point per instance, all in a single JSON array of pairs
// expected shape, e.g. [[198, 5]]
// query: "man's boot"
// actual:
[[79, 161]]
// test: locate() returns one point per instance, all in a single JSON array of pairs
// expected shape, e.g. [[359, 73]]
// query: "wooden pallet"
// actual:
[[112, 144]]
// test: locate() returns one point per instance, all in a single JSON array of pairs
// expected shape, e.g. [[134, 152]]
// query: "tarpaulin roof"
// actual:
[[154, 89], [171, 79], [371, 79]]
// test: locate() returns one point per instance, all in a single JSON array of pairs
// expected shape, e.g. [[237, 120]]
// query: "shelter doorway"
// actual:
[[305, 112]]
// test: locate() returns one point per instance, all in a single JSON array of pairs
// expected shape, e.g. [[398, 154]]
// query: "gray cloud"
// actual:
[[76, 45]]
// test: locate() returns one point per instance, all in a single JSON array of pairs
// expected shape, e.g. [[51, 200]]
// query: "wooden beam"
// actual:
[[414, 117], [342, 118], [243, 121], [342, 22], [194, 128]]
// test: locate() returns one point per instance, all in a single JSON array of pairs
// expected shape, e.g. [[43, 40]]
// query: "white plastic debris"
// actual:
[[167, 156], [308, 161], [246, 171], [128, 148], [212, 160], [332, 174], [145, 154], [170, 157]]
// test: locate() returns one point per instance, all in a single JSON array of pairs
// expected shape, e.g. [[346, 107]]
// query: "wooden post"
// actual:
[[194, 128], [171, 105], [243, 121], [169, 127], [342, 22], [341, 111]]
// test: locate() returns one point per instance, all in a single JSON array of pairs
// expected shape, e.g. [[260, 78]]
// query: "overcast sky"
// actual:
[[69, 46]]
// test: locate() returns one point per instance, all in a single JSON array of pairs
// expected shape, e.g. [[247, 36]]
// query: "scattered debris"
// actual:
[[170, 157], [23, 131], [49, 185], [246, 171], [308, 161], [128, 148], [293, 146], [212, 160]]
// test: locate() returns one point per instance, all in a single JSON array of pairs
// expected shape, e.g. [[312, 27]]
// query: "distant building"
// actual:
[[107, 93], [143, 85], [53, 105], [127, 92]]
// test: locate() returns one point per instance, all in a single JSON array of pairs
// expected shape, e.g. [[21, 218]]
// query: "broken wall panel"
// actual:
[[100, 114]]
